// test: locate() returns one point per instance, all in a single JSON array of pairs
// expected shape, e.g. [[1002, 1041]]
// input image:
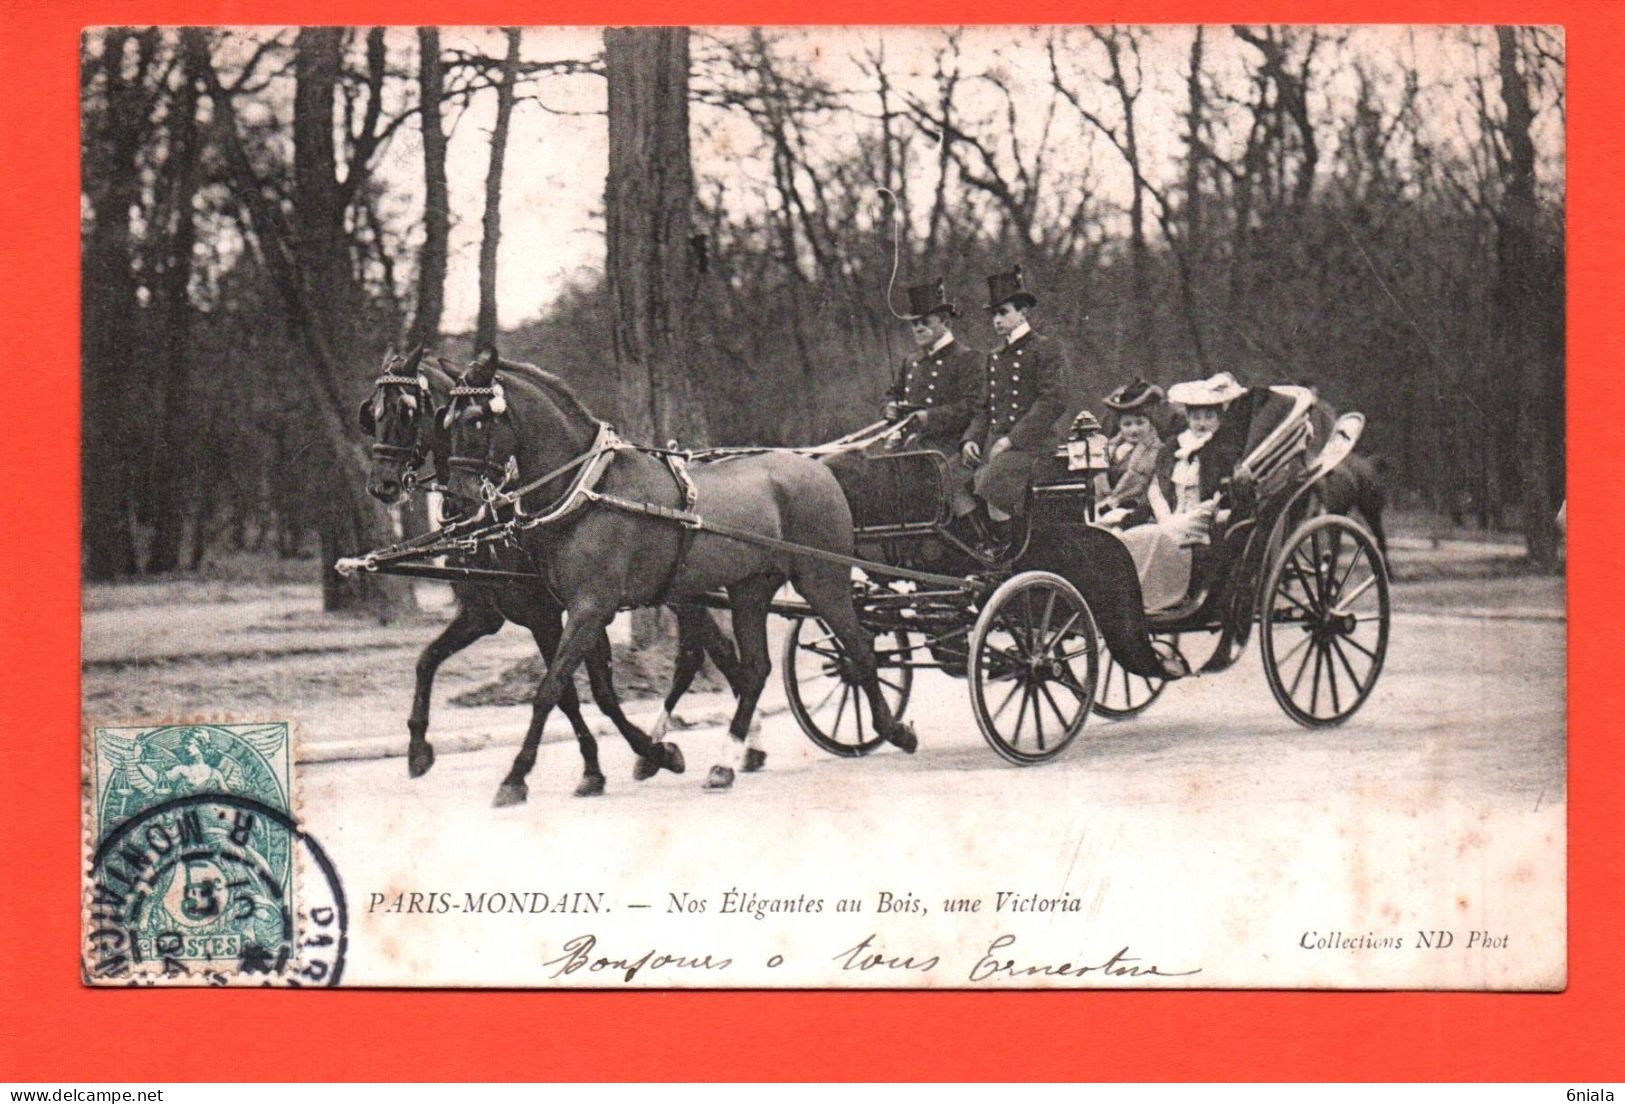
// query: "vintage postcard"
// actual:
[[914, 507]]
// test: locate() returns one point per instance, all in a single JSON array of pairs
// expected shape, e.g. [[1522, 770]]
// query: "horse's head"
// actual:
[[398, 416], [479, 436]]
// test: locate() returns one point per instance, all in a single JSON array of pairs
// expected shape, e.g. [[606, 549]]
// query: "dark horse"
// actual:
[[600, 557], [399, 415], [1354, 484]]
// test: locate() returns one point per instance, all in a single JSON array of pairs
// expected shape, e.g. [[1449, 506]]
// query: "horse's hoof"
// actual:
[[721, 778], [903, 736], [591, 785], [510, 793], [418, 760], [755, 760], [646, 767], [674, 758]]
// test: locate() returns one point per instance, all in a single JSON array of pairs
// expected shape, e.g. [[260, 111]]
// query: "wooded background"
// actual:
[[1378, 211]]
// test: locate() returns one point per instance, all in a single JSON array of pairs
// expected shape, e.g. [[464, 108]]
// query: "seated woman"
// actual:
[[1131, 455], [1184, 495]]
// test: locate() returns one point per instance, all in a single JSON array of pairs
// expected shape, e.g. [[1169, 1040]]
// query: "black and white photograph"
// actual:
[[824, 508]]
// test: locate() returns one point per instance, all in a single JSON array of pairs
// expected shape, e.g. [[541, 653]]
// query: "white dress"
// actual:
[[1162, 548]]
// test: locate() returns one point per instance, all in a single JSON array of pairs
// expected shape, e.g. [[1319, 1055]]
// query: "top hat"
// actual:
[[1134, 395], [1216, 390], [927, 299], [1007, 287]]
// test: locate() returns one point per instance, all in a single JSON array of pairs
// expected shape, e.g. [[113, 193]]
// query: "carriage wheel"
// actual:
[[825, 697], [1121, 693], [1034, 662], [1324, 620]]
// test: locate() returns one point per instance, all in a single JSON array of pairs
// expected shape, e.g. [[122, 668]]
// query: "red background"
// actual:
[[52, 1028]]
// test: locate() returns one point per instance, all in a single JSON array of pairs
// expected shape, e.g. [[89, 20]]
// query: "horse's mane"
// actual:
[[440, 378], [554, 385]]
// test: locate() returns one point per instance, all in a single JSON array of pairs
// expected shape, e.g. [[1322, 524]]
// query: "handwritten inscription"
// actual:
[[579, 956], [868, 955], [1122, 963], [582, 955]]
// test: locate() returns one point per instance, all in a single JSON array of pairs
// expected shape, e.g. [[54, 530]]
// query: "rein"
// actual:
[[589, 467]]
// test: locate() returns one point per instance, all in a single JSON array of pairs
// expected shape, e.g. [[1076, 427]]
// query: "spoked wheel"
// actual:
[[1121, 693], [1324, 621], [1034, 662], [825, 697]]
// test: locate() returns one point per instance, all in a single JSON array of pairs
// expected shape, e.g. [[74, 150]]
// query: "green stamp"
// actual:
[[137, 768], [196, 860]]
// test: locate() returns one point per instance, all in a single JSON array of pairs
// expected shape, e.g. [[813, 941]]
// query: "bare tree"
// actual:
[[431, 298], [485, 330], [649, 195], [1122, 49], [1291, 82], [654, 271], [308, 256], [1196, 146], [114, 136], [1524, 279], [173, 464]]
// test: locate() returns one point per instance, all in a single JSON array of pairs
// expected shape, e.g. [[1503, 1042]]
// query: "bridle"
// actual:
[[497, 479], [493, 475], [409, 457]]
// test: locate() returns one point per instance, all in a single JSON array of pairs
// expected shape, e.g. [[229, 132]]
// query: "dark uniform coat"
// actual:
[[1026, 396], [947, 383]]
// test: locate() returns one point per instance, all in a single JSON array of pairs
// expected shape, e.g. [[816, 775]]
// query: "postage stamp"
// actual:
[[196, 871]]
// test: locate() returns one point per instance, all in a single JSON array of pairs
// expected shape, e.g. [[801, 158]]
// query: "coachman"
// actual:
[[1022, 411], [941, 380]]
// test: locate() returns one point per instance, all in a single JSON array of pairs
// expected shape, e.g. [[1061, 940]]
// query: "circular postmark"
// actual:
[[217, 889]]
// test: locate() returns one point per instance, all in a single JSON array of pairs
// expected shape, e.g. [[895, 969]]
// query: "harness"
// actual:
[[589, 467], [688, 497], [468, 534]]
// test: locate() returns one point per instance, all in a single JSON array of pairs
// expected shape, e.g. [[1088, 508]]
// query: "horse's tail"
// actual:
[[1369, 496], [1373, 500]]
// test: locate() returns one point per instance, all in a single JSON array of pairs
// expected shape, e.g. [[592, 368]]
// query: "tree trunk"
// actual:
[[1142, 333], [1523, 295], [1195, 146], [648, 196], [653, 273], [175, 463], [309, 264], [109, 335], [436, 198], [485, 330]]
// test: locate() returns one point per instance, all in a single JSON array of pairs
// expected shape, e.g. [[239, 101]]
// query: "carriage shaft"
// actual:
[[457, 574]]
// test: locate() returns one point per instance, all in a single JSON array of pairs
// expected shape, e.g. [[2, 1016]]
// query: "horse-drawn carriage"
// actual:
[[1055, 631], [1046, 629]]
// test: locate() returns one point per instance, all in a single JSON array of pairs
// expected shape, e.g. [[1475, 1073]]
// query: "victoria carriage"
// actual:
[[1046, 629], [1053, 630]]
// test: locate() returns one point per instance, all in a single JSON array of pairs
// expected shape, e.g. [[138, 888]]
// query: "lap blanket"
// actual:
[[892, 489]]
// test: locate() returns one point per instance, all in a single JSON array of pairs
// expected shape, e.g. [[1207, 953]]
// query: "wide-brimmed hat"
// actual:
[[927, 299], [1217, 390], [1008, 287], [1134, 396]]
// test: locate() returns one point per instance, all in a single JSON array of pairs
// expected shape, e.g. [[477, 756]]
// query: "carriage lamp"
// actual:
[[1085, 446]]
